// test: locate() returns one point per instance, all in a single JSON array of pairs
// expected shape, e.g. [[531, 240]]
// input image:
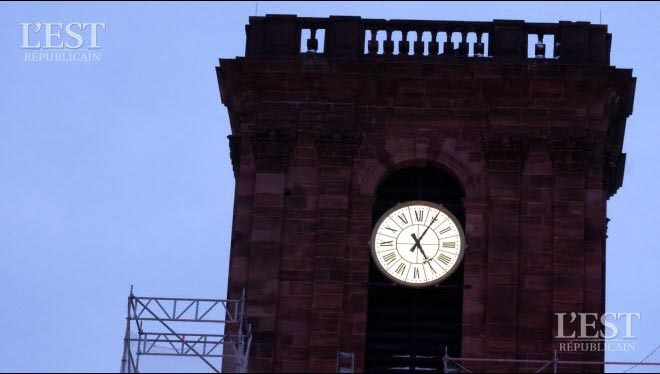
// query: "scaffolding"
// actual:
[[458, 364], [164, 326]]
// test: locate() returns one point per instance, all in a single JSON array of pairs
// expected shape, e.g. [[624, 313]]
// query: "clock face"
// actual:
[[417, 244]]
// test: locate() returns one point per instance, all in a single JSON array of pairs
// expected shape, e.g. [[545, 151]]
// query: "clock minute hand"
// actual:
[[417, 240], [427, 228]]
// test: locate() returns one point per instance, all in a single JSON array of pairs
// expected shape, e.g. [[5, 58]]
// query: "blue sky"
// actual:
[[117, 172]]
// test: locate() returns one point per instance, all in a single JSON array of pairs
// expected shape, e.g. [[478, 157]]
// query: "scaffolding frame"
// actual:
[[155, 319], [555, 362]]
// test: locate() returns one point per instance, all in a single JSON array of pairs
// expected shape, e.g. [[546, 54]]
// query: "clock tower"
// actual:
[[403, 186]]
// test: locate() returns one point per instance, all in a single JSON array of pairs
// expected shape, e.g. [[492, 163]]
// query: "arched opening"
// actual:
[[408, 328]]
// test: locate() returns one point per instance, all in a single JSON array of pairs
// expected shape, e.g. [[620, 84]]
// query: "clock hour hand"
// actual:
[[418, 245]]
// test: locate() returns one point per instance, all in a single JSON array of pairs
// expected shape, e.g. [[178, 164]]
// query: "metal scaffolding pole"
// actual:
[[555, 362], [162, 324]]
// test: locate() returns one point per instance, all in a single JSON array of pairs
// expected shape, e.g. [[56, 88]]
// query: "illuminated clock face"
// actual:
[[417, 244]]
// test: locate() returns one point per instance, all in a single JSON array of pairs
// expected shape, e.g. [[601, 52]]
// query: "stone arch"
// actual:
[[389, 162], [414, 309]]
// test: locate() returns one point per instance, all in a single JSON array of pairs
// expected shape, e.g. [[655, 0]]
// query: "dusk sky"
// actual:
[[117, 172]]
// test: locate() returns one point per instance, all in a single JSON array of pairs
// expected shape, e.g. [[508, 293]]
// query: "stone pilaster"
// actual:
[[271, 151], [570, 159], [239, 254], [335, 163], [534, 310], [505, 158], [296, 260], [475, 280], [354, 325]]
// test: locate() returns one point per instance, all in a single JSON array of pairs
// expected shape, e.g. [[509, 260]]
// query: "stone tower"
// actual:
[[516, 127]]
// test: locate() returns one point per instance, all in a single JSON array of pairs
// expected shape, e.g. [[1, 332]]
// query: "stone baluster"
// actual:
[[372, 44], [434, 46], [448, 48], [388, 44], [312, 42], [463, 45], [404, 46], [539, 49], [419, 44], [479, 45]]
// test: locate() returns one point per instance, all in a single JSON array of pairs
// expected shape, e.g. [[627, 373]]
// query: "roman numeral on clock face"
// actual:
[[389, 258], [387, 243], [444, 231], [415, 273], [391, 229], [419, 215], [403, 218], [400, 269], [444, 258], [449, 245]]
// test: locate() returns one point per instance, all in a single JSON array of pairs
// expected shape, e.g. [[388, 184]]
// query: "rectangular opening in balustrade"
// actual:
[[541, 48], [312, 43]]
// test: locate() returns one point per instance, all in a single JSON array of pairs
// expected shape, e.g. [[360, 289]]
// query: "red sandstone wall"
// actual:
[[311, 140]]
